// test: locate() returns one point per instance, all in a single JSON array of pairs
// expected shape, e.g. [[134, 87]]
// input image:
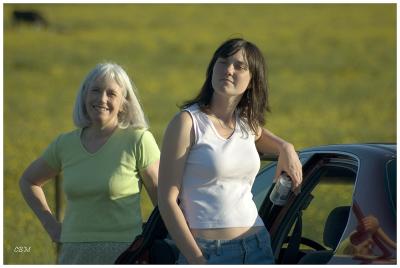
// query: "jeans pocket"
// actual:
[[205, 252], [204, 246]]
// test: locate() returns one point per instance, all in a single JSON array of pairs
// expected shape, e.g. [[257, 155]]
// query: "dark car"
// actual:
[[345, 213]]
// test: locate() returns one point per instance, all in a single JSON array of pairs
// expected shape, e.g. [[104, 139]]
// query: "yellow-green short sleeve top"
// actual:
[[102, 188]]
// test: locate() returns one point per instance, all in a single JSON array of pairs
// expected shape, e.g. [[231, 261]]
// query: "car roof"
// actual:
[[356, 148]]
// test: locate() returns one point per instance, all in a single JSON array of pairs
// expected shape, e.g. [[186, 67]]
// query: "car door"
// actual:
[[297, 228]]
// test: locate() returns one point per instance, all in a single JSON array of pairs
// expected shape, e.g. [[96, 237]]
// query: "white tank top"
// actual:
[[218, 176]]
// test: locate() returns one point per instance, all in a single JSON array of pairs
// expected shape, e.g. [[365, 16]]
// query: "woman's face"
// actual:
[[231, 75], [104, 100]]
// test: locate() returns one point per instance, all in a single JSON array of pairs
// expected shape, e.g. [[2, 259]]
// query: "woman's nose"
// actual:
[[103, 97], [229, 68]]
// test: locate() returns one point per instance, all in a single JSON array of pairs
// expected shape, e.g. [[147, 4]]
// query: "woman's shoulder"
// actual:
[[183, 117], [192, 108], [180, 123], [191, 113], [66, 139], [70, 135], [135, 133]]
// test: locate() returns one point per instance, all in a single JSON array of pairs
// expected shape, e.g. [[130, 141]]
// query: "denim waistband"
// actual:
[[259, 236]]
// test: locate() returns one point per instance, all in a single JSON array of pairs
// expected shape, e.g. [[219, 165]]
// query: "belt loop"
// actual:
[[258, 240], [218, 247], [243, 242], [244, 250]]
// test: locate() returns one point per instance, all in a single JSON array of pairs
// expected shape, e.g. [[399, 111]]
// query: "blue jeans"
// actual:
[[253, 249]]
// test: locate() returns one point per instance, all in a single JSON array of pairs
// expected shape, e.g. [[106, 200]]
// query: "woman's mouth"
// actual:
[[100, 108], [226, 80]]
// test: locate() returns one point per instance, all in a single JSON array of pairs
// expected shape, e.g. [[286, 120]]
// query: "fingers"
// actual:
[[296, 174], [297, 179], [289, 162], [297, 190]]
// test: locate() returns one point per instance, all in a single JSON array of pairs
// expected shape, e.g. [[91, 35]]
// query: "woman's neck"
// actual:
[[95, 131], [223, 108]]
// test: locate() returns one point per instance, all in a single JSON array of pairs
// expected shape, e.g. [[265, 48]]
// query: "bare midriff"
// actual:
[[226, 233]]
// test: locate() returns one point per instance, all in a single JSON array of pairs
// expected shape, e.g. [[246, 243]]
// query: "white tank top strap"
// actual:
[[197, 119]]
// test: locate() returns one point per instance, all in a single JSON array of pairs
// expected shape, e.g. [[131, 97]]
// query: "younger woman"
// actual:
[[210, 158]]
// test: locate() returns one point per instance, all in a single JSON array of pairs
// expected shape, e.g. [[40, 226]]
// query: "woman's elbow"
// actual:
[[162, 201], [25, 186], [23, 182], [166, 202]]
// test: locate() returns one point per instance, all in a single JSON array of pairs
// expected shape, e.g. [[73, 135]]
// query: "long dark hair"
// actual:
[[254, 102]]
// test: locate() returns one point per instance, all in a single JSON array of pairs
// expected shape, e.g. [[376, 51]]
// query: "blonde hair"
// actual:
[[132, 114]]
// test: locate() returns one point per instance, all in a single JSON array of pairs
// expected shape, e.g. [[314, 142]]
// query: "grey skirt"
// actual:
[[91, 252]]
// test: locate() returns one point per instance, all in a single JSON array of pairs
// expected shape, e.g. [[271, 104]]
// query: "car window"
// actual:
[[391, 185], [334, 189]]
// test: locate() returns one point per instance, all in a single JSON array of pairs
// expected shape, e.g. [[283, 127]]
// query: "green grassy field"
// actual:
[[332, 73]]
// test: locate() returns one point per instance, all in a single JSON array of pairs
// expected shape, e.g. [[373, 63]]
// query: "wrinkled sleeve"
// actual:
[[51, 154], [147, 151]]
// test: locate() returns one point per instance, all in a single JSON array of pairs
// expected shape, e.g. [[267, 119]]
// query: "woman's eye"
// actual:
[[112, 93], [241, 67]]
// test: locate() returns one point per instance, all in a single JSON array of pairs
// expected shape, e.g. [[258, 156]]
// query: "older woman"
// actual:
[[104, 162]]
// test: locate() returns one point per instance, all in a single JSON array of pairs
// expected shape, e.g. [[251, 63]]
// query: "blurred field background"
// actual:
[[332, 74]]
